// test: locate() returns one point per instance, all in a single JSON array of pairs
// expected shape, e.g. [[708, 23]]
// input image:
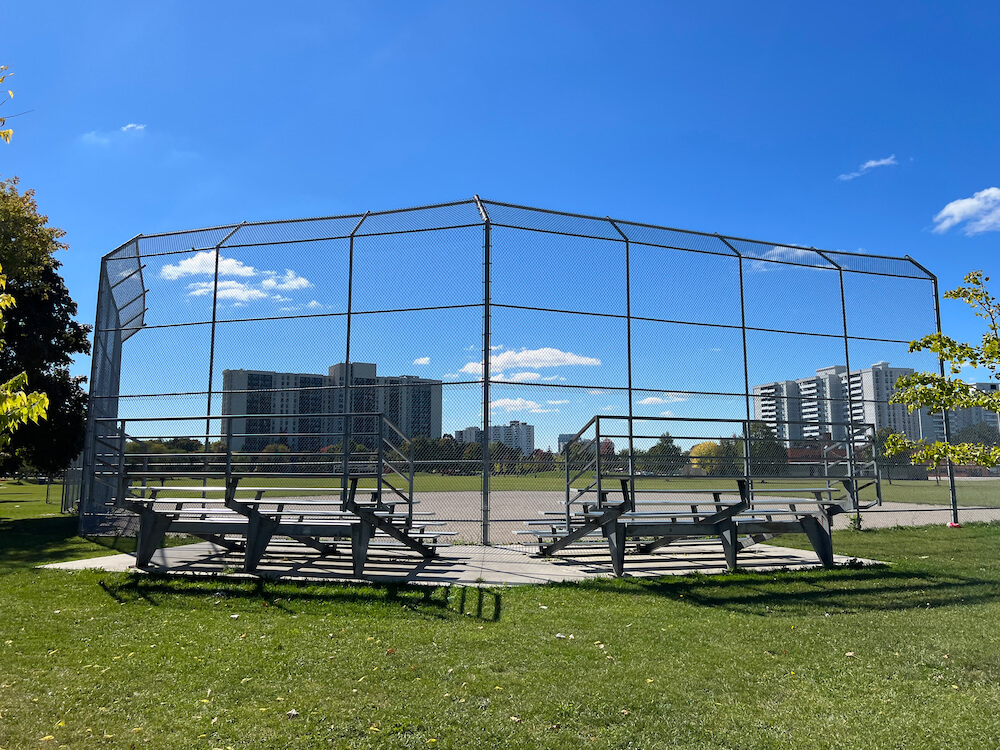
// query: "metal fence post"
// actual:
[[628, 354], [487, 467], [346, 427], [747, 469], [945, 421]]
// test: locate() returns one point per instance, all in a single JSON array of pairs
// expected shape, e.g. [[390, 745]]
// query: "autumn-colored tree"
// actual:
[[707, 456], [5, 135]]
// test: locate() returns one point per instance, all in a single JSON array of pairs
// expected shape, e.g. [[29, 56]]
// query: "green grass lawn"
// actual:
[[906, 656]]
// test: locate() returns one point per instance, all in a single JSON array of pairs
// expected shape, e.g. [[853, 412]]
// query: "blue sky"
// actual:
[[845, 127]]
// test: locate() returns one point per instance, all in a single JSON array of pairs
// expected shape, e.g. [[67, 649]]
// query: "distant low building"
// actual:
[[563, 439], [469, 435]]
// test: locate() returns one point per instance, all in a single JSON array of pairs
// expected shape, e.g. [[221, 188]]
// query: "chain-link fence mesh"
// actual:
[[490, 334]]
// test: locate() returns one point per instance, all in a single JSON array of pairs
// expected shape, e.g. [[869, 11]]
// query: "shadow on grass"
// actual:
[[438, 602], [811, 592], [28, 542]]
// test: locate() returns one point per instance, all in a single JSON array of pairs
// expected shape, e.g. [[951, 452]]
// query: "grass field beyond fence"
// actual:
[[899, 656]]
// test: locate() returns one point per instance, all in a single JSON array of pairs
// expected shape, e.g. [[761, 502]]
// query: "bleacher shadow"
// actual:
[[811, 592], [439, 602]]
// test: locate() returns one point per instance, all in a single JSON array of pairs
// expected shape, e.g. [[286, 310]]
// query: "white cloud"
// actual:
[[889, 161], [314, 305], [981, 213], [422, 361], [517, 377], [93, 138], [786, 254], [204, 263], [533, 358], [671, 398], [792, 254], [290, 280], [666, 413], [556, 403], [231, 290], [514, 404], [279, 298], [104, 139]]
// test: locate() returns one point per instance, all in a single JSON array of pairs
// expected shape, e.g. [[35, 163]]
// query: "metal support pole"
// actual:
[[597, 461], [747, 469], [628, 344], [851, 468], [945, 421], [487, 262], [345, 440], [211, 347]]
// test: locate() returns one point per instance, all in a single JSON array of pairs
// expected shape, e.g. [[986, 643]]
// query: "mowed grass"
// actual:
[[887, 657]]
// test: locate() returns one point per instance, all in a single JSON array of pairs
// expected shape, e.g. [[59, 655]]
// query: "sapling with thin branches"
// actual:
[[938, 392]]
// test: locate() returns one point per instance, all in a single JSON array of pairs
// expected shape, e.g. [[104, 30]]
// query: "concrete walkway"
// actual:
[[467, 565]]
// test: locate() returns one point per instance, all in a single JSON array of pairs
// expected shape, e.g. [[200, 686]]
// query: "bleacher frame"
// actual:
[[380, 514], [612, 508]]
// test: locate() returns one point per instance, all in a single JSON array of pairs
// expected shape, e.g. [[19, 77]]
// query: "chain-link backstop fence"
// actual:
[[490, 334]]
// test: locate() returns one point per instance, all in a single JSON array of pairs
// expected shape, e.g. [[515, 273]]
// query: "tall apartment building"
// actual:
[[516, 435], [959, 419], [288, 402], [821, 406]]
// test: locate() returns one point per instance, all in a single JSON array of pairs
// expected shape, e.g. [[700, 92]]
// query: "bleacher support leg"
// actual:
[[817, 528], [615, 534], [259, 532], [361, 534], [730, 545], [152, 528]]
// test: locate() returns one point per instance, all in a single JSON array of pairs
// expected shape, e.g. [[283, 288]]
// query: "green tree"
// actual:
[[936, 392], [473, 452], [662, 458], [18, 406], [888, 461], [768, 456], [185, 445], [41, 336], [731, 463]]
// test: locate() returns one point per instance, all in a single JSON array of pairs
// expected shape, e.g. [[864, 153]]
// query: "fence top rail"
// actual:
[[919, 271]]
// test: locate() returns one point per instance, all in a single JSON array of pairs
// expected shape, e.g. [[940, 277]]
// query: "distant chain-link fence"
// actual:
[[490, 334]]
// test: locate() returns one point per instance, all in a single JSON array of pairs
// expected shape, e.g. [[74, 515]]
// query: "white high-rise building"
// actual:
[[469, 435], [517, 435], [815, 407]]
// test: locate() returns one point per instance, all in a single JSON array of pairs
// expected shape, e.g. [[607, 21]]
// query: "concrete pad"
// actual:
[[465, 565]]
